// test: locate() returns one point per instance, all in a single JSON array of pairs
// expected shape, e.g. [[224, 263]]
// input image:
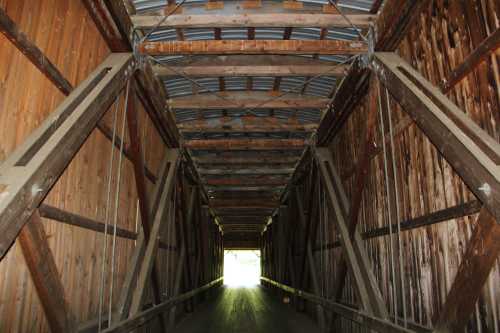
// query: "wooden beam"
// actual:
[[33, 53], [479, 55], [479, 258], [244, 144], [443, 215], [356, 257], [472, 152], [159, 222], [244, 125], [247, 100], [129, 284], [246, 188], [244, 46], [45, 276], [254, 65], [247, 180], [255, 158], [59, 215], [251, 71], [254, 171], [29, 172], [268, 20], [237, 203]]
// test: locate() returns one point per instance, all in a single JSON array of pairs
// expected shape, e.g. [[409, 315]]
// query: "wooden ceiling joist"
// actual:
[[303, 47], [246, 100], [268, 20], [245, 204], [252, 159], [247, 181], [248, 66], [245, 144], [253, 171]]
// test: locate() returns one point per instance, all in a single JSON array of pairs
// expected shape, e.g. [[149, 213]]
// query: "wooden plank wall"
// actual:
[[444, 35], [64, 31]]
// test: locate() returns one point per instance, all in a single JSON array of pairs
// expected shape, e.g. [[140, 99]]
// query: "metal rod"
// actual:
[[117, 201], [106, 221], [398, 212]]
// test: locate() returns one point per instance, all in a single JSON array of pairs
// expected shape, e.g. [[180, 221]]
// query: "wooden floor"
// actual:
[[246, 310]]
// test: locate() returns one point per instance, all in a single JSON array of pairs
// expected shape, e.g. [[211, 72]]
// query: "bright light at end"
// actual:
[[241, 268]]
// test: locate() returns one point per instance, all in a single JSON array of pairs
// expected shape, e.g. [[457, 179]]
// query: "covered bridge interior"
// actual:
[[353, 143]]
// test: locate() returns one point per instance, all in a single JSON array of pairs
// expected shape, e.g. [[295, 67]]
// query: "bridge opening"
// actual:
[[241, 268]]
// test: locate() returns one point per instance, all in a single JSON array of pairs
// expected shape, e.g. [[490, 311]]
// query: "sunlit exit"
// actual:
[[241, 268]]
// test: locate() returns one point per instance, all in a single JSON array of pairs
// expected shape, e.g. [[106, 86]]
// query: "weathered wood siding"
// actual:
[[444, 35], [64, 31]]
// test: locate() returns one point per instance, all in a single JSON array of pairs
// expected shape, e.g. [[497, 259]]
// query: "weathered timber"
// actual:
[[248, 66], [480, 54], [59, 215], [270, 20], [244, 125], [33, 53], [244, 144], [255, 171], [478, 261], [327, 47], [235, 203], [472, 153], [45, 277], [246, 100], [355, 254], [30, 171]]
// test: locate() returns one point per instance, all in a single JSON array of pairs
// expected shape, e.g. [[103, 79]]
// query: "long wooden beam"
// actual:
[[244, 46], [480, 54], [247, 100], [252, 159], [244, 181], [472, 152], [244, 144], [254, 171], [248, 66], [268, 20], [45, 276], [30, 171], [242, 125], [33, 53], [239, 203], [479, 259]]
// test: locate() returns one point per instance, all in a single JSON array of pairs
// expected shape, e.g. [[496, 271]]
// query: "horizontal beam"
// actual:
[[244, 125], [358, 316], [270, 20], [246, 188], [244, 144], [480, 54], [59, 215], [303, 47], [247, 181], [33, 53], [255, 158], [240, 203], [247, 100], [248, 66], [28, 174], [255, 171]]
